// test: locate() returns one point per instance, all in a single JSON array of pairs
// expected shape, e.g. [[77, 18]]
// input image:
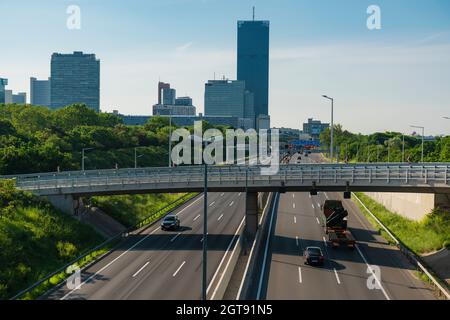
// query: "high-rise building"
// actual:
[[3, 84], [169, 96], [161, 86], [40, 92], [253, 61], [314, 128], [75, 78]]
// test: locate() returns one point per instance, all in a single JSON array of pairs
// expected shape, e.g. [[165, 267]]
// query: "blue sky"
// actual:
[[381, 79]]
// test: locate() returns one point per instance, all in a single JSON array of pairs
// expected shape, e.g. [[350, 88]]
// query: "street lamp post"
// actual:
[[423, 135], [136, 157], [170, 137], [83, 156], [403, 148], [332, 125], [205, 234]]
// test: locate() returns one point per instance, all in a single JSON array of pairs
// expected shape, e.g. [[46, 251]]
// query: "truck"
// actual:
[[336, 224]]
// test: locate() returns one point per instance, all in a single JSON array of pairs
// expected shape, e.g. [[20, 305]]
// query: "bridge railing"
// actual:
[[386, 174]]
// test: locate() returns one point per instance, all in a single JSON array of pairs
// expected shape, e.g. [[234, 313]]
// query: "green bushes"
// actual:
[[130, 209], [35, 239], [428, 235]]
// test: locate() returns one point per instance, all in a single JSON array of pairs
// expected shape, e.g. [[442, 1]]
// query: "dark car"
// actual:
[[170, 223], [314, 256]]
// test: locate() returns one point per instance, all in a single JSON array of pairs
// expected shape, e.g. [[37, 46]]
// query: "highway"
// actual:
[[164, 264], [298, 224]]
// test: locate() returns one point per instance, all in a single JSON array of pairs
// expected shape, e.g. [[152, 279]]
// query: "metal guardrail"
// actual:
[[111, 241], [414, 259], [291, 174]]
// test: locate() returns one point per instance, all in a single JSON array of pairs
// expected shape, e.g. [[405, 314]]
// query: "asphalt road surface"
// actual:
[[298, 224], [164, 264]]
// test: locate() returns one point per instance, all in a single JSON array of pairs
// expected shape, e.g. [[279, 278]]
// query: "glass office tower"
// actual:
[[75, 78], [253, 61], [3, 84]]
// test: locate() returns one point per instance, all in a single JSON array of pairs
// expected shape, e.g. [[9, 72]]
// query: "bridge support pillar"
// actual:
[[251, 214], [66, 203], [442, 201]]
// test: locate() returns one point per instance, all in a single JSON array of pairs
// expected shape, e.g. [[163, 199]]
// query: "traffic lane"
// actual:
[[159, 283], [162, 260], [124, 259], [289, 277], [397, 273]]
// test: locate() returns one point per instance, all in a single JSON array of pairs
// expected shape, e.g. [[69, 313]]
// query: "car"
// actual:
[[170, 222], [314, 256]]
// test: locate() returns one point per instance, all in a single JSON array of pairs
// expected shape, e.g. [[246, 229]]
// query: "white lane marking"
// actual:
[[326, 196], [223, 259], [232, 202], [296, 240], [325, 241], [293, 195], [373, 274], [137, 272], [337, 276], [179, 268], [295, 219], [312, 205], [299, 275], [198, 216], [318, 222], [212, 203], [110, 263], [309, 196], [239, 194], [174, 238], [221, 216], [222, 194], [179, 213], [318, 204], [293, 205], [266, 249]]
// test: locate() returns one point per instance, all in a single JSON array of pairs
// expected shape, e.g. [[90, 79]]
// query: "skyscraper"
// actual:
[[40, 92], [75, 78], [225, 98], [253, 61], [3, 84], [161, 86], [168, 96]]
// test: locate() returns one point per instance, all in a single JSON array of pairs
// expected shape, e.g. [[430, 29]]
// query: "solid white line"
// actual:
[[312, 205], [337, 277], [212, 203], [374, 275], [173, 239], [232, 202], [295, 219], [179, 268], [198, 216], [223, 259], [299, 275], [137, 272], [318, 222], [293, 205], [266, 250], [110, 263], [221, 216]]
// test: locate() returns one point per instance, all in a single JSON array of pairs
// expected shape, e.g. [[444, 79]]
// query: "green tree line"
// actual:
[[385, 146]]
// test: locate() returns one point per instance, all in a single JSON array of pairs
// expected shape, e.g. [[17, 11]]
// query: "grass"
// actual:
[[425, 236], [132, 209], [36, 239]]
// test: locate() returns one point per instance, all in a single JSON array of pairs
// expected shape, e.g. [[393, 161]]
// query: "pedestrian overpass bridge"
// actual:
[[417, 178], [64, 189]]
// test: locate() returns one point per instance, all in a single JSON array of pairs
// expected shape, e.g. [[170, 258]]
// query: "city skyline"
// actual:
[[313, 52]]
